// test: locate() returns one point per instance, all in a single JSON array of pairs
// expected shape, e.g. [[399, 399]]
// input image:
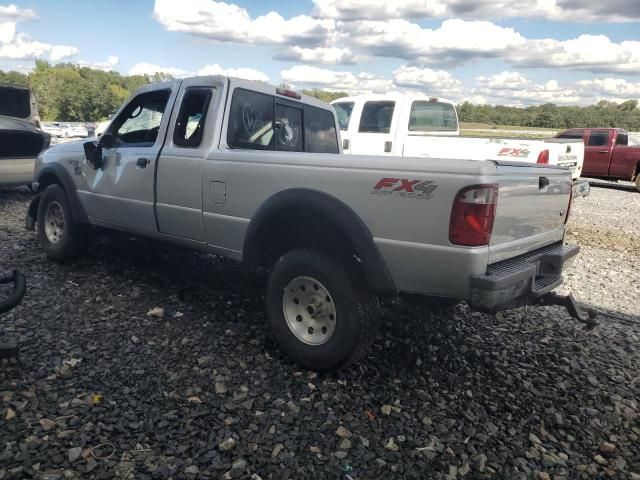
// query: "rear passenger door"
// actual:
[[179, 183], [597, 153], [375, 132]]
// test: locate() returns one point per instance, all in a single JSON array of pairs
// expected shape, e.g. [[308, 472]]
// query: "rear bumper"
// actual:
[[514, 282], [16, 171]]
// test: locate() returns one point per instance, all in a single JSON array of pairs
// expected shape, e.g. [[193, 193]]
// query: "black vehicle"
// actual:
[[21, 138], [9, 350]]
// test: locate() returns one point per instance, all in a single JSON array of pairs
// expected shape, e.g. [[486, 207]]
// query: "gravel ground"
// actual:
[[108, 387]]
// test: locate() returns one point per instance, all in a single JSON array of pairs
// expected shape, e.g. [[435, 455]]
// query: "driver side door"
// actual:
[[121, 192]]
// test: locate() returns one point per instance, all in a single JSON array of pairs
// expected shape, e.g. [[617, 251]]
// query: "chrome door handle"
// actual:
[[603, 151]]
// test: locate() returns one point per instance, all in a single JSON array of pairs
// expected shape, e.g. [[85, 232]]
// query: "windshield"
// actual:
[[14, 102], [432, 117], [343, 112]]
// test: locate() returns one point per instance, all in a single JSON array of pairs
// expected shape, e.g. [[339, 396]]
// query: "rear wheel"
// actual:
[[60, 236], [638, 182], [319, 312]]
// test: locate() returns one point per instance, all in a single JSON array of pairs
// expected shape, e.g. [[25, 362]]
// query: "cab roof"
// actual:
[[392, 96], [236, 82]]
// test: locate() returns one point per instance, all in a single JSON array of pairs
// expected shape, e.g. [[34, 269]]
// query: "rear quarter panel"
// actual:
[[410, 230]]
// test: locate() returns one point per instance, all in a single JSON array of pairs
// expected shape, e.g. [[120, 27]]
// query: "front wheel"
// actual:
[[319, 311], [60, 236]]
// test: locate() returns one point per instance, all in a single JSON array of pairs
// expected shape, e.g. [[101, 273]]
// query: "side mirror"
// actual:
[[107, 140], [93, 152]]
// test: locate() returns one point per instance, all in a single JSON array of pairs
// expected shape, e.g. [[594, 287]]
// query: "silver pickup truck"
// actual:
[[255, 173]]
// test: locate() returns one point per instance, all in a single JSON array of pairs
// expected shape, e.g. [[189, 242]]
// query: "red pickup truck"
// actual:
[[607, 154]]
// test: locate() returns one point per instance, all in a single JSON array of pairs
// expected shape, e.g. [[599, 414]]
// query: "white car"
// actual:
[[70, 130], [52, 128]]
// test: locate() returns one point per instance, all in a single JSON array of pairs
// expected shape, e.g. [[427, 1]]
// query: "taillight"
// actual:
[[543, 158], [472, 215]]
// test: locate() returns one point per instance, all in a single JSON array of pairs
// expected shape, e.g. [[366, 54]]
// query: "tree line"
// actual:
[[68, 92], [72, 93]]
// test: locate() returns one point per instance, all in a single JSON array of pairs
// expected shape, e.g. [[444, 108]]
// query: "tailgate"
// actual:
[[531, 210]]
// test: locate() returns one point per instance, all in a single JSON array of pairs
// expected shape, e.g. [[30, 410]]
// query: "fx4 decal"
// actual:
[[403, 187], [514, 152]]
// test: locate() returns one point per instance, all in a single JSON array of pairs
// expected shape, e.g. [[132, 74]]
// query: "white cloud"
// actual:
[[214, 69], [596, 53], [306, 76], [453, 42], [12, 12], [327, 55], [513, 88], [610, 87], [505, 88], [246, 73], [151, 69], [344, 31], [556, 10], [427, 80], [230, 23], [107, 66], [18, 46]]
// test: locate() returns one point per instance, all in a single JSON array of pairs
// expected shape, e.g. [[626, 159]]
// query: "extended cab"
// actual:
[[415, 125], [608, 154], [254, 173]]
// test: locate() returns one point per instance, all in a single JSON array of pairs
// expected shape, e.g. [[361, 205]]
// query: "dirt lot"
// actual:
[[106, 390]]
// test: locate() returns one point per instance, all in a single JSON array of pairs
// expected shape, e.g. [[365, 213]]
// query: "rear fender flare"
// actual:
[[375, 269]]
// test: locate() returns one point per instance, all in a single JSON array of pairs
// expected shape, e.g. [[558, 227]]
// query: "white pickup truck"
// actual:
[[415, 125], [255, 173]]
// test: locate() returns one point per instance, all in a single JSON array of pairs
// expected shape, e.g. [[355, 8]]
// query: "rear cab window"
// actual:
[[432, 116], [343, 112], [259, 121], [376, 117]]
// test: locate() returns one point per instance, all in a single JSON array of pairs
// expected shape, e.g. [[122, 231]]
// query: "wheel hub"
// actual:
[[54, 222], [309, 310]]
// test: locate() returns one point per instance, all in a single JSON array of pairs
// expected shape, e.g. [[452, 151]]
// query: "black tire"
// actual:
[[356, 310], [638, 182], [71, 242]]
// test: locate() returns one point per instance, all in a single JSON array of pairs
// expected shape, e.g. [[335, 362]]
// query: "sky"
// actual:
[[524, 52]]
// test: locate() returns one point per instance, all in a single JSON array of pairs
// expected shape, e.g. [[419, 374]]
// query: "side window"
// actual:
[[574, 134], [139, 122], [598, 138], [288, 128], [320, 134], [343, 112], [376, 117], [191, 119], [251, 120], [622, 139]]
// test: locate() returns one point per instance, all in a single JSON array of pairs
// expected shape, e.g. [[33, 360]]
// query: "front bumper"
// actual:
[[520, 280]]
